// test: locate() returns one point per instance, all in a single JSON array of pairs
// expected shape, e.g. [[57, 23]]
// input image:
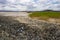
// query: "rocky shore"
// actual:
[[18, 28]]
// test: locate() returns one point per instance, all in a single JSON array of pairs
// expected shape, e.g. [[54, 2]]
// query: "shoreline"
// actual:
[[14, 14]]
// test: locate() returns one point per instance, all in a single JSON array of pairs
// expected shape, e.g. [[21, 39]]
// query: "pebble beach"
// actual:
[[22, 27]]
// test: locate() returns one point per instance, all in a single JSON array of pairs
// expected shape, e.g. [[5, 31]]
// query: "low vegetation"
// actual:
[[45, 15]]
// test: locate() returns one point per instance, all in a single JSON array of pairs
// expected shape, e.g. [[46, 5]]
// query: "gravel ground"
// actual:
[[11, 29]]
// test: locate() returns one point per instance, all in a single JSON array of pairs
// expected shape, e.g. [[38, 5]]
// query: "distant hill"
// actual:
[[51, 10], [8, 11], [24, 11]]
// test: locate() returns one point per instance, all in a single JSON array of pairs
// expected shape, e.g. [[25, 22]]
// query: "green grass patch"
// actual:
[[45, 14]]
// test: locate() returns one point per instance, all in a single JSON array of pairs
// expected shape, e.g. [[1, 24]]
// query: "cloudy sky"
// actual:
[[29, 5]]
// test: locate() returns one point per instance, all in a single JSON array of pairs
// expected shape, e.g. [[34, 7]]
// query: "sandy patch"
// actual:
[[14, 14]]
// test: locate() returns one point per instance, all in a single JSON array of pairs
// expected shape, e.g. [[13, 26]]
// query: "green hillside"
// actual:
[[45, 14]]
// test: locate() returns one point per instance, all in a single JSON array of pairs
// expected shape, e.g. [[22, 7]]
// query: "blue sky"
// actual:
[[29, 5]]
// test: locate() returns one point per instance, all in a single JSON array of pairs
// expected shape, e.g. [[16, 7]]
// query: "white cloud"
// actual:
[[11, 1], [15, 8], [21, 8], [34, 5], [23, 1]]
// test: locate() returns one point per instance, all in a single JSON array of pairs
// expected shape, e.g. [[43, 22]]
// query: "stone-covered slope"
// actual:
[[11, 29]]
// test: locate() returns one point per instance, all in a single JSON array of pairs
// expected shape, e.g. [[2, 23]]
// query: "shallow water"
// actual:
[[13, 14]]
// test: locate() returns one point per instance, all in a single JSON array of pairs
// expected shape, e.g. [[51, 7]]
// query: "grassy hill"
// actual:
[[45, 14]]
